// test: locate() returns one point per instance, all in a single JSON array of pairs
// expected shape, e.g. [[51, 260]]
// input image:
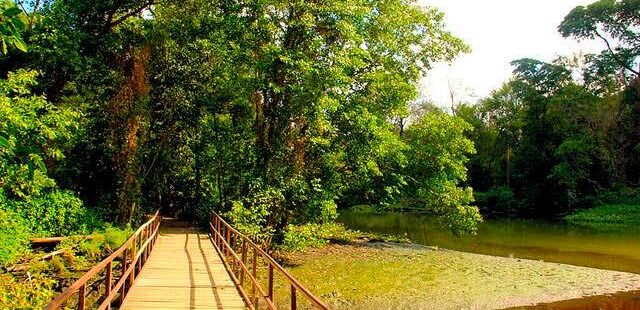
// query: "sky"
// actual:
[[498, 32]]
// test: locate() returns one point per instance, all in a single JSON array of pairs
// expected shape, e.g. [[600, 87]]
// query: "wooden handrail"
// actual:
[[224, 237], [130, 260]]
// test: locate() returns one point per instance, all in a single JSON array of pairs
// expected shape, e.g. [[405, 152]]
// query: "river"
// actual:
[[552, 241], [558, 241]]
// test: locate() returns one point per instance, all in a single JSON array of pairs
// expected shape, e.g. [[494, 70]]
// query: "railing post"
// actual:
[[125, 265], [254, 273], [133, 262], [270, 292], [294, 301], [139, 248], [244, 260], [81, 297], [146, 247], [218, 228], [109, 279]]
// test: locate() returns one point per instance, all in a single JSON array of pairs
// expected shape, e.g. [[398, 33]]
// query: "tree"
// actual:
[[613, 22], [12, 26], [438, 153]]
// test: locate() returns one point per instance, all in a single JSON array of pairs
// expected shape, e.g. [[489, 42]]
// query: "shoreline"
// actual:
[[419, 276]]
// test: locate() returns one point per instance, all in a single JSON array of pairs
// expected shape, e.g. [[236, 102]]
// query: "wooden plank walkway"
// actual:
[[184, 271]]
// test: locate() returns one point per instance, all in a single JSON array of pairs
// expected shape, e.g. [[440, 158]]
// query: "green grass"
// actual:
[[609, 217]]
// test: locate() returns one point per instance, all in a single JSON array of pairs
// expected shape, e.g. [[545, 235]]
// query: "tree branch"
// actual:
[[22, 7], [33, 14], [615, 57], [124, 17]]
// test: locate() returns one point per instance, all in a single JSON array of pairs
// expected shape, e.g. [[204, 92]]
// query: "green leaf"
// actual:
[[20, 44], [18, 24], [4, 142], [11, 12], [4, 46]]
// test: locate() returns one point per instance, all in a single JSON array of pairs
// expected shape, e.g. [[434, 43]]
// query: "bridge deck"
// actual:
[[184, 271]]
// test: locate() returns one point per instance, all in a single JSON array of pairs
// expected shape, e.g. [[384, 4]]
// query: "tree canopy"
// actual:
[[280, 109]]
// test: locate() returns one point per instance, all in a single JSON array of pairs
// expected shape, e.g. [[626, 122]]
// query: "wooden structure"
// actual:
[[183, 268], [183, 272], [115, 274], [245, 267]]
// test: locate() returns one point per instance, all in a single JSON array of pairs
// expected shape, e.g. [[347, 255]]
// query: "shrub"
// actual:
[[299, 237], [98, 244], [322, 211], [607, 215], [364, 209], [33, 292], [251, 220], [497, 201], [624, 195], [56, 213], [14, 237]]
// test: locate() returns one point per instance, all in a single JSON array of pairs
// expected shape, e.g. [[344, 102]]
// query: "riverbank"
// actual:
[[395, 276], [608, 217], [551, 241]]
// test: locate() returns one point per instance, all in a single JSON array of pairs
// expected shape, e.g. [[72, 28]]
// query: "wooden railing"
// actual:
[[119, 272], [252, 262]]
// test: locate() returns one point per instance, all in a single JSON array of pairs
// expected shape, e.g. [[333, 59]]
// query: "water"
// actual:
[[558, 241]]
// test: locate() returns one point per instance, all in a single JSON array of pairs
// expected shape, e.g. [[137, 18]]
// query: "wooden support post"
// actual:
[[244, 260], [228, 240], [81, 296], [146, 248], [123, 293], [254, 273], [218, 228], [125, 264], [294, 301], [132, 277], [108, 280], [141, 250], [270, 292]]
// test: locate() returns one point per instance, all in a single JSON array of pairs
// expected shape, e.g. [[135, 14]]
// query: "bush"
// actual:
[[628, 196], [298, 238], [14, 237], [607, 216], [34, 292], [322, 211], [57, 213], [497, 201], [251, 220], [364, 209], [99, 244]]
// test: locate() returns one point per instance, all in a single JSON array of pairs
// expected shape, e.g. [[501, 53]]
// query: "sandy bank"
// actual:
[[390, 276]]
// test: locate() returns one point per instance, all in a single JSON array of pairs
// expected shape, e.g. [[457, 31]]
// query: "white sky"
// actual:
[[498, 32]]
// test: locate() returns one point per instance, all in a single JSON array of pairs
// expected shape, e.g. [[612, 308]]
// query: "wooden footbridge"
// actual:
[[180, 267]]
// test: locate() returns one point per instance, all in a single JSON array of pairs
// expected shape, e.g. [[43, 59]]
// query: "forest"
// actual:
[[280, 114]]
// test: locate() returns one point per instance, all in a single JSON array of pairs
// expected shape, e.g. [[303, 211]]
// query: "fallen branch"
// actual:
[[47, 241], [53, 240], [23, 267]]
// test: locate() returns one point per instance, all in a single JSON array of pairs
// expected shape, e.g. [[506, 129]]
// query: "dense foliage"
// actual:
[[277, 112], [562, 134]]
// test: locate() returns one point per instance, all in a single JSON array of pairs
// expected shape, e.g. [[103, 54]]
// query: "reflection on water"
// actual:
[[532, 239]]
